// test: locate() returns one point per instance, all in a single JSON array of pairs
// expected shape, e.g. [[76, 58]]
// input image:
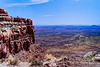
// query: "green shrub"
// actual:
[[36, 62], [90, 57], [2, 60], [31, 59]]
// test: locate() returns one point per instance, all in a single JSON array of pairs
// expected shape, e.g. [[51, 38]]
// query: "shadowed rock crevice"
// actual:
[[26, 46]]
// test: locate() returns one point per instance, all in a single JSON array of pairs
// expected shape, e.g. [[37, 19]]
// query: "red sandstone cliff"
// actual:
[[16, 36]]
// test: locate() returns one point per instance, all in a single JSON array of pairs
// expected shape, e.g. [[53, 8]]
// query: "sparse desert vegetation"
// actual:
[[65, 40], [64, 47]]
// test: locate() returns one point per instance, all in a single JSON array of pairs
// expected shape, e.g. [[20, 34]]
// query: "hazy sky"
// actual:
[[55, 12]]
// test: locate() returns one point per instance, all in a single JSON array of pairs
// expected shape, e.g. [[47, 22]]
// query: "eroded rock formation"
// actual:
[[16, 35]]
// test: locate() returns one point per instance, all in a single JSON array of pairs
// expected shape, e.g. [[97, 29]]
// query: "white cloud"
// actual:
[[30, 3]]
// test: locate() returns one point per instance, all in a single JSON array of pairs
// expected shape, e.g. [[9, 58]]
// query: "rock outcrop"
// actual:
[[16, 35]]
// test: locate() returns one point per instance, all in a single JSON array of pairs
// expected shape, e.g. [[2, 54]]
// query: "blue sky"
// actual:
[[55, 12]]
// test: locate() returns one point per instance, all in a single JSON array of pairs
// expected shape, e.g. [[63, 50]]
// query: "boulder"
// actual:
[[90, 54]]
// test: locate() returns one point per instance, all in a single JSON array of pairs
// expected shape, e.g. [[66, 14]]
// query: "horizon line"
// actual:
[[67, 25]]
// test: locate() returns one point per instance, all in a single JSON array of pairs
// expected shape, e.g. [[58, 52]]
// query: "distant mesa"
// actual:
[[94, 25]]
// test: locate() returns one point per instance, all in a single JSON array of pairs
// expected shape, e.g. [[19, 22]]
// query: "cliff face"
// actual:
[[16, 34]]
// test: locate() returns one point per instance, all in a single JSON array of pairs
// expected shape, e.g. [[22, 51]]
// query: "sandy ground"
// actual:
[[3, 65]]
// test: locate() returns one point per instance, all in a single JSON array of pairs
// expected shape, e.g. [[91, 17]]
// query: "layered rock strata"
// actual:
[[16, 34]]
